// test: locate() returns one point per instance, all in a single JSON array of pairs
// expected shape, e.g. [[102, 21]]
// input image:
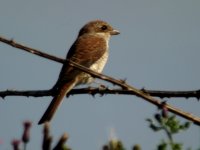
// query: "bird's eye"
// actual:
[[104, 27]]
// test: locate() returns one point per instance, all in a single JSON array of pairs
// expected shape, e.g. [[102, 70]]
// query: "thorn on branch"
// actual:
[[197, 92], [101, 89], [12, 42], [123, 80]]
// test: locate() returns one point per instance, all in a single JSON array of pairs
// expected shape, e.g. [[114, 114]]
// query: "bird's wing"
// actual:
[[85, 51]]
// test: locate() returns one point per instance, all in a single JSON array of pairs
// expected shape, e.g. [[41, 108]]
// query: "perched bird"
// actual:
[[90, 50]]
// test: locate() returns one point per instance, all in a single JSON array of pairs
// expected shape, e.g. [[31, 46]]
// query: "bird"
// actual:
[[91, 50]]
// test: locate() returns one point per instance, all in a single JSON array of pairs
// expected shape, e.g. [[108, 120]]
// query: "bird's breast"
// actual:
[[97, 67], [100, 63]]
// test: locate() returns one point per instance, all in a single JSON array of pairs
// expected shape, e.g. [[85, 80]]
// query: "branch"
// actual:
[[170, 94], [120, 83], [102, 91], [161, 94], [31, 50], [139, 93]]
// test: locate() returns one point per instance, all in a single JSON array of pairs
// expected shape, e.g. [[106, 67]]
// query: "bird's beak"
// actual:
[[114, 32]]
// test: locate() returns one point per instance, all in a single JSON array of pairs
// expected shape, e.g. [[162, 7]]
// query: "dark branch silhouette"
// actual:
[[121, 83], [102, 91], [30, 50]]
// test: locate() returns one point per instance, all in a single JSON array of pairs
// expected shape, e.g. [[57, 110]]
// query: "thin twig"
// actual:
[[102, 91], [30, 50]]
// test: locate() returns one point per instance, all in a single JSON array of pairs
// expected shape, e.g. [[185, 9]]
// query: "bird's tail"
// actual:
[[55, 103]]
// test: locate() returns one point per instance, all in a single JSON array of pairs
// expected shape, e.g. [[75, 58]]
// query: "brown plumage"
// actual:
[[90, 50]]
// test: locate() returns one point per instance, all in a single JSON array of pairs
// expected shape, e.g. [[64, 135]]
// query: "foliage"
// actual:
[[170, 125], [160, 122]]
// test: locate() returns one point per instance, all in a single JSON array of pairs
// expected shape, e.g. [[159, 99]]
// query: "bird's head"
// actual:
[[98, 27]]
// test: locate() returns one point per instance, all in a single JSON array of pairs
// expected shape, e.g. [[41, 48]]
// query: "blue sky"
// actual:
[[158, 48]]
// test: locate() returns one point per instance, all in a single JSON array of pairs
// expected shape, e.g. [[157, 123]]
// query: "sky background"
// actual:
[[158, 49]]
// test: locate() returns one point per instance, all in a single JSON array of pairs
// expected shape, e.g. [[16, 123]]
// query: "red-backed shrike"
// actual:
[[90, 50]]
